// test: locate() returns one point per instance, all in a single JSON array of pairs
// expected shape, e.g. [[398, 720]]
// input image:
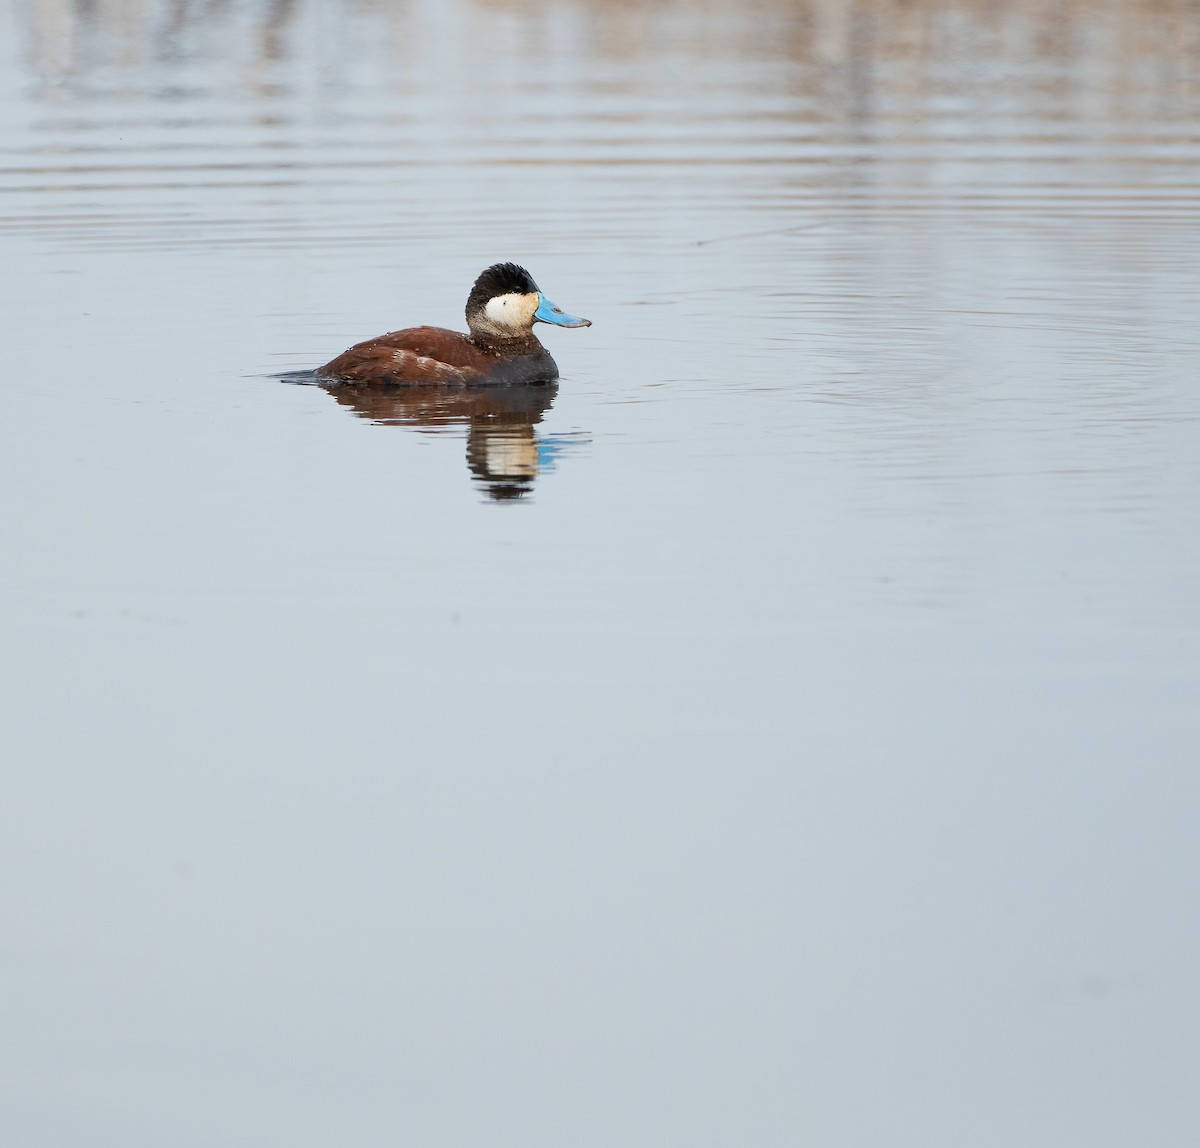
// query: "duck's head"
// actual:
[[505, 303]]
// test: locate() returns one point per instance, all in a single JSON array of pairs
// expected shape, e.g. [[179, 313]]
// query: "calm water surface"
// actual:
[[782, 733]]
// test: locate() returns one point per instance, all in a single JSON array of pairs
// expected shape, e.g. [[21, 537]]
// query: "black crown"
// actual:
[[500, 279]]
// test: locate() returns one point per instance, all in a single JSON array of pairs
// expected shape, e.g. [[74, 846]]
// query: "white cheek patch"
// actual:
[[511, 310]]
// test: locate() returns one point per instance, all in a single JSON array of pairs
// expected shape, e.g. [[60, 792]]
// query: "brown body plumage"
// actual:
[[424, 355]]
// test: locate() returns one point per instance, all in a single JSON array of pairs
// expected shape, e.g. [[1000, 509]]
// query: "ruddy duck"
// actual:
[[502, 308]]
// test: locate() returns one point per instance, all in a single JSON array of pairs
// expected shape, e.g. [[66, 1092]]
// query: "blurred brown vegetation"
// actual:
[[70, 36]]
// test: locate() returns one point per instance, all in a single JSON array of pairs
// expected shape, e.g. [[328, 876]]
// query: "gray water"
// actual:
[[784, 734]]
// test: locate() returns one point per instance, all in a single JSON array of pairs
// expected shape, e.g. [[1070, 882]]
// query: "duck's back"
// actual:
[[416, 355]]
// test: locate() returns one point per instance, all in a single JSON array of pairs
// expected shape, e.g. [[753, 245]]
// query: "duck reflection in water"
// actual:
[[504, 451]]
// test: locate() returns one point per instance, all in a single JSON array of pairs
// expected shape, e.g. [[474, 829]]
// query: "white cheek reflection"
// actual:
[[512, 452]]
